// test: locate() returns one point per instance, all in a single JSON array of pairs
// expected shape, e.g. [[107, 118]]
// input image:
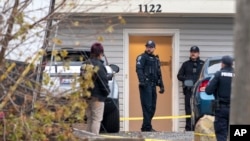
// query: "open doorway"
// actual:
[[164, 101]]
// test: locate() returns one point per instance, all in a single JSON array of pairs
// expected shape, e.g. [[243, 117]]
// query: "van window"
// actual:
[[76, 56]]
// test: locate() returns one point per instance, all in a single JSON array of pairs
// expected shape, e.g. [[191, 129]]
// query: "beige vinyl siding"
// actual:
[[214, 36]]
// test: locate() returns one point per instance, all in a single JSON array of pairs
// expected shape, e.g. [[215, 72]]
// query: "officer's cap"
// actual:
[[194, 49], [150, 44], [227, 60]]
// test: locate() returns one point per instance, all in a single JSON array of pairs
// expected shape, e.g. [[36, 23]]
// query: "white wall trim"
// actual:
[[167, 6], [175, 65]]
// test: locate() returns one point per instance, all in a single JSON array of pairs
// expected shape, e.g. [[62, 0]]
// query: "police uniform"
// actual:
[[149, 75], [190, 70], [220, 86]]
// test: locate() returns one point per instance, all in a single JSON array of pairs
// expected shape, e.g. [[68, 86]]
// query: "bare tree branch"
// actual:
[[9, 37], [5, 41], [13, 88], [25, 5], [5, 7]]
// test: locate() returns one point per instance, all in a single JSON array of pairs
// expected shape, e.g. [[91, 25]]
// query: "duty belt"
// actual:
[[150, 81]]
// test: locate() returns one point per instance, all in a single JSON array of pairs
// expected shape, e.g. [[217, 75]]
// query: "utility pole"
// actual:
[[240, 99]]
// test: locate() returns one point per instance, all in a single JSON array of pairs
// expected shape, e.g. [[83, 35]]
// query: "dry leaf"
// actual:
[[119, 17], [20, 18], [122, 20], [110, 29], [100, 38], [58, 58], [72, 4], [81, 58], [64, 53], [54, 52], [57, 41], [76, 23]]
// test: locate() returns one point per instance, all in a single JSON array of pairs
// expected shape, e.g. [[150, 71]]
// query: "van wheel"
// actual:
[[111, 122]]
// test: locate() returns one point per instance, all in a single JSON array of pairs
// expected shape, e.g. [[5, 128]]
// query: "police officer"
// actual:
[[149, 75], [220, 86], [190, 70]]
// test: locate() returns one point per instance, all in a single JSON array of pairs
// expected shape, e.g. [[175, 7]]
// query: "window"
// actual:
[[214, 66]]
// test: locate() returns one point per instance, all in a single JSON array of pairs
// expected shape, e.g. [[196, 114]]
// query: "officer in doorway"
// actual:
[[190, 70], [220, 86], [149, 75]]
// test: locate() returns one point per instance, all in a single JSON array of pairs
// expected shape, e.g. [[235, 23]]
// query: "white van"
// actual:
[[63, 78]]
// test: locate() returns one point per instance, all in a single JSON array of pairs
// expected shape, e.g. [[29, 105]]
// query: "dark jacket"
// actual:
[[220, 85], [190, 70], [148, 69], [101, 88]]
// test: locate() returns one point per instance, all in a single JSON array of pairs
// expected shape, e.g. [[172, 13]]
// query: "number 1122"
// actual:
[[152, 8]]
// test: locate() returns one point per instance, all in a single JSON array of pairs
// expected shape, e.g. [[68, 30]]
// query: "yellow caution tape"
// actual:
[[109, 136], [165, 117], [155, 118], [202, 134]]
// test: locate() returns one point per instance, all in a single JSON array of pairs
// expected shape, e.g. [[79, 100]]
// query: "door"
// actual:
[[164, 101]]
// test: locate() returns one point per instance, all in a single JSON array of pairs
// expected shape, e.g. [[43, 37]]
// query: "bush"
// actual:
[[28, 117]]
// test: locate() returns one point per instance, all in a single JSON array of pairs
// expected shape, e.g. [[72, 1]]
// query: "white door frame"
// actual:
[[174, 33]]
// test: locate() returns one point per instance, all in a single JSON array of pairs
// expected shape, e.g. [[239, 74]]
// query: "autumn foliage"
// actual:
[[27, 111], [45, 118]]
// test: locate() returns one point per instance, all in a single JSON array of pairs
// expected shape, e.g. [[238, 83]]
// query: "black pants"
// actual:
[[187, 94], [148, 102], [221, 123]]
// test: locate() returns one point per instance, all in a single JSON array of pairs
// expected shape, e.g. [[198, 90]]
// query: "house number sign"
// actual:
[[150, 8]]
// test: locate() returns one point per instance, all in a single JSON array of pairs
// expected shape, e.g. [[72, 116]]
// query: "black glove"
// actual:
[[161, 90], [142, 84]]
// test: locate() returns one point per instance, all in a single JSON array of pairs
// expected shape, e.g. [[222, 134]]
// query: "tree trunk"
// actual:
[[10, 23], [240, 99]]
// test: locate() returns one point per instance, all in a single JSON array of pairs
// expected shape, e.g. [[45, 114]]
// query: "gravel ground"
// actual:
[[150, 136], [168, 136]]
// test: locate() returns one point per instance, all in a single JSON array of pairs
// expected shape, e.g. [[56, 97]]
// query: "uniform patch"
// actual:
[[138, 60], [227, 74], [150, 42]]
